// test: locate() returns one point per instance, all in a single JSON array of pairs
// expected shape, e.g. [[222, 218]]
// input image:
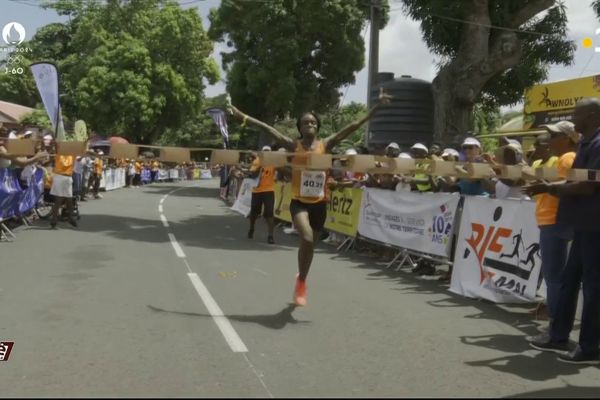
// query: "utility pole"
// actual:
[[373, 54]]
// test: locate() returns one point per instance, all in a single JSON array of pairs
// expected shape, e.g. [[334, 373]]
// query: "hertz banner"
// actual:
[[553, 102], [343, 211]]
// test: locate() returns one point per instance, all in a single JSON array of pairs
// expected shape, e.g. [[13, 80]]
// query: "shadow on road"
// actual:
[[574, 392], [273, 321]]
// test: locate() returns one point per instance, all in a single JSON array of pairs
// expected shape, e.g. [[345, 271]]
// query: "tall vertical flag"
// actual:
[[218, 115], [45, 75]]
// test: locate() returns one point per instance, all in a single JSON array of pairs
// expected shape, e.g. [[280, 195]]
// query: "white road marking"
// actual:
[[260, 271], [231, 336], [164, 221], [176, 246]]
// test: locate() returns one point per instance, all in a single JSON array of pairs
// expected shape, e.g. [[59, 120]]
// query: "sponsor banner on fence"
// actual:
[[283, 198], [497, 251], [113, 178], [205, 174], [244, 199], [416, 221], [343, 211]]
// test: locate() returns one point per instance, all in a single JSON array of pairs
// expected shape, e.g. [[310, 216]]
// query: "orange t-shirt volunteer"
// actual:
[[546, 205], [302, 177], [266, 179], [64, 165]]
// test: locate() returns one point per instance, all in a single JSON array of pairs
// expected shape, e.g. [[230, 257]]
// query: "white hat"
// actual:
[[27, 133], [515, 145], [565, 127], [350, 152], [12, 135], [405, 155], [100, 153], [450, 152], [471, 141], [282, 149], [266, 148], [393, 145], [420, 146]]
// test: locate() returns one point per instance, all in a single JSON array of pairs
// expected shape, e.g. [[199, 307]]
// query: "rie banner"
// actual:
[[244, 199], [498, 253], [422, 222], [343, 210]]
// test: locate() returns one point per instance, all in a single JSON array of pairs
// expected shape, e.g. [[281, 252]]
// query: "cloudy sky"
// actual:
[[402, 51]]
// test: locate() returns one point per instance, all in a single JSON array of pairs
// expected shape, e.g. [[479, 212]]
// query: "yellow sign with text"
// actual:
[[560, 95], [283, 198], [343, 211]]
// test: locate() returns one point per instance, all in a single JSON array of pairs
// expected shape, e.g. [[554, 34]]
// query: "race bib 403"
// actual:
[[313, 184]]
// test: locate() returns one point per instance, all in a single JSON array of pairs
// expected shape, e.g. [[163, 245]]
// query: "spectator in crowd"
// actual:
[[98, 167], [447, 183], [554, 237], [508, 154], [137, 177], [472, 153], [62, 188], [263, 196], [385, 181], [542, 157], [421, 182], [435, 151], [578, 208]]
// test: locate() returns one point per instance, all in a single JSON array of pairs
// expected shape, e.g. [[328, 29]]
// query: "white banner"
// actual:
[[497, 251], [46, 80], [244, 200], [205, 174], [163, 175], [417, 221], [113, 178]]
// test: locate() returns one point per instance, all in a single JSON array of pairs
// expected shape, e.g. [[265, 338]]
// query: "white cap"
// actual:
[[393, 145], [564, 127], [405, 155], [12, 135], [282, 149], [27, 133], [350, 152], [450, 152], [100, 153], [471, 141], [420, 146], [266, 148], [515, 145]]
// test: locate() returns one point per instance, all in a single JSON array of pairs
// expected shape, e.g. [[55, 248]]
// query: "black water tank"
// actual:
[[407, 119]]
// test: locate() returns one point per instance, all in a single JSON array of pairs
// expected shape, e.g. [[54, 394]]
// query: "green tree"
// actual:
[[482, 63], [134, 68], [290, 56]]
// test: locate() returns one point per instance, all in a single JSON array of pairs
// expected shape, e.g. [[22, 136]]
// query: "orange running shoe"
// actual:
[[300, 292]]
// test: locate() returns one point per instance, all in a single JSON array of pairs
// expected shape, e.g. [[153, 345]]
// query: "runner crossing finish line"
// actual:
[[309, 187]]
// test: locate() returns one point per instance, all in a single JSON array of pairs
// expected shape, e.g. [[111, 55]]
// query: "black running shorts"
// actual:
[[317, 212], [266, 199]]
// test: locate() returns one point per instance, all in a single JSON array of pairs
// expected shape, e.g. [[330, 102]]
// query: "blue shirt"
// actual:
[[583, 212], [471, 187]]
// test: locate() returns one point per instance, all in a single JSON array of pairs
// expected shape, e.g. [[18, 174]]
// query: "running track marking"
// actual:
[[231, 337]]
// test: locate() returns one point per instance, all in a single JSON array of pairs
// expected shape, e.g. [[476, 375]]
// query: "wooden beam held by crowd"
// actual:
[[273, 159], [20, 147], [227, 157], [71, 148], [123, 150]]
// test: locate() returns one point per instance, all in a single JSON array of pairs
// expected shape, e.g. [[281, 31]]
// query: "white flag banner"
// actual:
[[243, 201], [497, 251], [46, 79], [422, 222], [220, 119]]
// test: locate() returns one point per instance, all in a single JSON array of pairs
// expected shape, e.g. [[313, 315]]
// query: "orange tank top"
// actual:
[[64, 165], [308, 186]]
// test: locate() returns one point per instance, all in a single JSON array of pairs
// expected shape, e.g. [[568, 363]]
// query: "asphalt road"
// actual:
[[129, 305]]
